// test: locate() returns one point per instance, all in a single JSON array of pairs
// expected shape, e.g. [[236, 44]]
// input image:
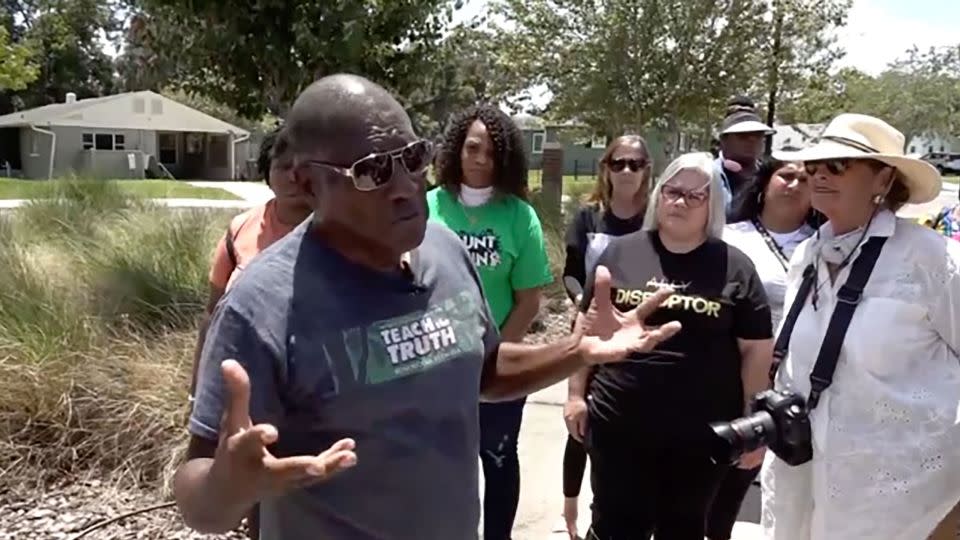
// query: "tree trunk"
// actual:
[[774, 74]]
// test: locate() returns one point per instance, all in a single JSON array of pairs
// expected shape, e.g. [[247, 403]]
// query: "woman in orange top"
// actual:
[[254, 230], [250, 233]]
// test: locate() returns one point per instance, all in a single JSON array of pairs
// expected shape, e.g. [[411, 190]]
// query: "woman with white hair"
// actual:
[[885, 431], [647, 433]]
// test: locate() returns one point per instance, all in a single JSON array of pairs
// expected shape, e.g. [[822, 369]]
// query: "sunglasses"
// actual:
[[694, 197], [835, 167], [375, 170], [618, 165]]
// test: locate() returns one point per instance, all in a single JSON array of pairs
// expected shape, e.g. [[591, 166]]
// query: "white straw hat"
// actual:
[[858, 136]]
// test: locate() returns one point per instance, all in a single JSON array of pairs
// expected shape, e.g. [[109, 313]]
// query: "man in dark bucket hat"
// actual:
[[742, 136]]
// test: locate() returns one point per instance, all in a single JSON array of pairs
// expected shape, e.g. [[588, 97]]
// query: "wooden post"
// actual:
[[552, 181]]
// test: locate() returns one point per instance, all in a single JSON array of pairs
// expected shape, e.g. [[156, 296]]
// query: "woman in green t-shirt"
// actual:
[[482, 196]]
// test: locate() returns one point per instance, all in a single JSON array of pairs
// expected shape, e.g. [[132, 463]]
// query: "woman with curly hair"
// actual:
[[482, 175]]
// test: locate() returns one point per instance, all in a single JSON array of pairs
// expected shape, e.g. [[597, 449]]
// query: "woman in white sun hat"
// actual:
[[886, 432]]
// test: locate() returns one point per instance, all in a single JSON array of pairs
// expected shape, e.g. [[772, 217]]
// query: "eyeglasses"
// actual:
[[375, 170], [694, 197], [835, 167], [618, 165]]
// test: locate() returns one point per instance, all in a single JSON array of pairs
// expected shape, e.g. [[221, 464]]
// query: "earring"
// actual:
[[759, 197], [877, 199]]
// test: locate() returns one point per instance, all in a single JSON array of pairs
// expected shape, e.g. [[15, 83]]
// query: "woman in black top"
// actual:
[[648, 433], [615, 208]]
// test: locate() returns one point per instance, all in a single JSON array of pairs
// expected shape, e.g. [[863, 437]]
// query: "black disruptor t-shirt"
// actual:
[[670, 394]]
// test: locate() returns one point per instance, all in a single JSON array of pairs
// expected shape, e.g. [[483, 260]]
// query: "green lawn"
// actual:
[[11, 188], [952, 179]]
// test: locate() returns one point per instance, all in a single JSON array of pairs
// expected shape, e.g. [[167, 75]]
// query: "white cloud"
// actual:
[[875, 35]]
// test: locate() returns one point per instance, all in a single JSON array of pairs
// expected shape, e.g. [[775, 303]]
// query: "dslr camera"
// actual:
[[778, 420]]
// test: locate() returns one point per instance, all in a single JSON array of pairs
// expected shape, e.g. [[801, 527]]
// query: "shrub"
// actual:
[[151, 270], [99, 296], [73, 209]]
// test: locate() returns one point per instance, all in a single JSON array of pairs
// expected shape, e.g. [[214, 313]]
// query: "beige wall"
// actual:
[[34, 153], [113, 164], [72, 159]]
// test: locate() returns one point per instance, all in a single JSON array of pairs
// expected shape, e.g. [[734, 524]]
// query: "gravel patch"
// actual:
[[64, 512]]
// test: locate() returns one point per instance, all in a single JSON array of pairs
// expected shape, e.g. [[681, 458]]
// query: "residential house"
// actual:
[[131, 135], [933, 144]]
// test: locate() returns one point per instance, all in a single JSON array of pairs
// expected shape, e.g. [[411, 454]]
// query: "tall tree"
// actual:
[[919, 94], [66, 38], [470, 66], [800, 49], [628, 64], [255, 56], [17, 67]]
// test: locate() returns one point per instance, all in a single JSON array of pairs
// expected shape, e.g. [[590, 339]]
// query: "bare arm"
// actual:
[[216, 293], [204, 506], [515, 370], [756, 356], [525, 308], [577, 383]]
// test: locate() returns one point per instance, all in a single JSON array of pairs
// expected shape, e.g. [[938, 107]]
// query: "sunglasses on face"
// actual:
[[375, 170], [618, 165], [694, 197], [835, 167]]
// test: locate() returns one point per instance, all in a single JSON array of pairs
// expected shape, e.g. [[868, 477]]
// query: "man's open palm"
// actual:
[[610, 335], [242, 459]]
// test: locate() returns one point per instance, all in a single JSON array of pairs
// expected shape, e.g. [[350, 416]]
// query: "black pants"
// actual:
[[641, 489], [574, 465], [726, 503], [499, 431]]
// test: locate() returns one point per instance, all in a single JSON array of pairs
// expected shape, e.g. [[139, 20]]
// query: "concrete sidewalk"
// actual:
[[542, 440]]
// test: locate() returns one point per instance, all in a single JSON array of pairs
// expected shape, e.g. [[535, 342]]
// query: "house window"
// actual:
[[139, 105], [537, 143], [34, 144], [913, 149], [156, 106], [103, 141], [167, 143], [218, 152]]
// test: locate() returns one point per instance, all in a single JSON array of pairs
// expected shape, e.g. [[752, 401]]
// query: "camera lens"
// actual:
[[742, 435]]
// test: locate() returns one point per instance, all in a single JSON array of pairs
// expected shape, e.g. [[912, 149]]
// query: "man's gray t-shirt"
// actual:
[[334, 349]]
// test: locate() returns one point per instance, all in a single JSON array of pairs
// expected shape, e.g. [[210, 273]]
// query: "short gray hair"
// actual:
[[717, 205]]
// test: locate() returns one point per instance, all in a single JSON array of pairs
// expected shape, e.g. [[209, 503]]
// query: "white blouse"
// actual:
[[745, 236], [886, 434]]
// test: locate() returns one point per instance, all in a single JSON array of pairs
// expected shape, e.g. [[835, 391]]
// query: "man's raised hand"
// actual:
[[242, 462], [609, 335]]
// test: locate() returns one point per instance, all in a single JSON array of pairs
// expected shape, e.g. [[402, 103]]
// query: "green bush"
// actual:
[[73, 209], [99, 298], [151, 270]]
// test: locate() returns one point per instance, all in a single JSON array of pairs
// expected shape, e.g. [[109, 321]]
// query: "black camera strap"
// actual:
[[772, 244], [848, 297]]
